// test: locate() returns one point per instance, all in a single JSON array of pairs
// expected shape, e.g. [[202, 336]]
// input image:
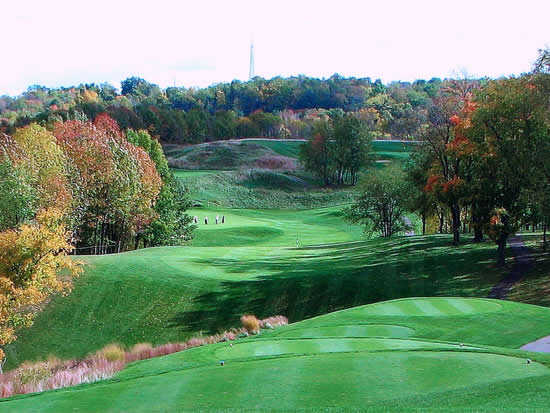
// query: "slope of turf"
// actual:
[[290, 148], [248, 184], [224, 155], [296, 263], [288, 369], [261, 189]]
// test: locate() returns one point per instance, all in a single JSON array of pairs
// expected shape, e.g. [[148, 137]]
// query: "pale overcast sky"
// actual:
[[191, 43]]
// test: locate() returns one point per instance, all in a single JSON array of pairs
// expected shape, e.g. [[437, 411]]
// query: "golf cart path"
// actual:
[[522, 264], [542, 345]]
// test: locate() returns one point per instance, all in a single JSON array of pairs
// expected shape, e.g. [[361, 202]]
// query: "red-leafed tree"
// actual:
[[116, 183], [511, 129], [450, 150]]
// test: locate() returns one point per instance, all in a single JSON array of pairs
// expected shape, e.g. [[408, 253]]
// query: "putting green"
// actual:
[[373, 330], [262, 348], [438, 307]]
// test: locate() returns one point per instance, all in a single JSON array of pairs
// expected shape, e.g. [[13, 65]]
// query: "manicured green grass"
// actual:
[[449, 354], [250, 264], [290, 148], [181, 173]]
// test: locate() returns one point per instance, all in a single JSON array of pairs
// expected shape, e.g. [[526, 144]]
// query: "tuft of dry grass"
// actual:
[[250, 323], [111, 352]]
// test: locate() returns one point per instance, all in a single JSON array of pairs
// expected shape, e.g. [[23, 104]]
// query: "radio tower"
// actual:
[[251, 71]]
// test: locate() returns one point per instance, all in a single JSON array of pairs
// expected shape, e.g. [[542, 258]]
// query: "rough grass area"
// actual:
[[227, 155], [457, 355], [263, 153], [261, 189], [249, 265]]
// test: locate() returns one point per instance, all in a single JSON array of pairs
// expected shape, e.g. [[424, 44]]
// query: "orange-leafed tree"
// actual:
[[34, 264], [511, 128], [115, 182], [450, 150]]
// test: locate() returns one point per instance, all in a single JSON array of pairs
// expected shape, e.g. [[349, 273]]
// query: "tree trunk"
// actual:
[[455, 212], [478, 233], [440, 214], [423, 223], [544, 236], [477, 224]]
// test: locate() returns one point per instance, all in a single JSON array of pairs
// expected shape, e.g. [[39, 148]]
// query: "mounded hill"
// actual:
[[444, 354], [260, 153], [263, 174], [228, 155]]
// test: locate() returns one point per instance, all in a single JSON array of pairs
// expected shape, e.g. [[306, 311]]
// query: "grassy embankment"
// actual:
[[442, 354]]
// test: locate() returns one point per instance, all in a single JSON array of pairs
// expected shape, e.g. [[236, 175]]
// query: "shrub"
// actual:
[[140, 348], [111, 352], [275, 321], [251, 323]]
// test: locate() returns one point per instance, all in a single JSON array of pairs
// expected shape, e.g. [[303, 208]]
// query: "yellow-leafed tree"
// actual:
[[34, 264]]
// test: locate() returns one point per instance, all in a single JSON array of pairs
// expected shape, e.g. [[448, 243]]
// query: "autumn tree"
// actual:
[[19, 199], [510, 126], [116, 183], [450, 149], [34, 264], [172, 226], [315, 154], [45, 162]]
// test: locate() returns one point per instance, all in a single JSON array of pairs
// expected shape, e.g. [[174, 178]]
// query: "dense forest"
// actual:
[[278, 107]]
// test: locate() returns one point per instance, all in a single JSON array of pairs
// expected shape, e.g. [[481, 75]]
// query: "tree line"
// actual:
[[113, 187], [278, 107]]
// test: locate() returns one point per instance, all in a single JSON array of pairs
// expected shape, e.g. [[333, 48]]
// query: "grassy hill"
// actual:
[[229, 155], [439, 354], [261, 189], [251, 264], [237, 154], [261, 173]]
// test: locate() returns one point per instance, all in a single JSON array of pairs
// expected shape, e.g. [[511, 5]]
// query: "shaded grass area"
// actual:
[[282, 370], [169, 294]]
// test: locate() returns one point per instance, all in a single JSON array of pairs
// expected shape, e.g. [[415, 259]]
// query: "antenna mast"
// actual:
[[251, 71]]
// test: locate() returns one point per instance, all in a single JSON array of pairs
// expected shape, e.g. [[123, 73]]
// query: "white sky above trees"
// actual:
[[63, 43]]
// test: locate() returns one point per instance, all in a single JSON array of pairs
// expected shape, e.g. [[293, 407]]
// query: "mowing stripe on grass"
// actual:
[[374, 330]]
